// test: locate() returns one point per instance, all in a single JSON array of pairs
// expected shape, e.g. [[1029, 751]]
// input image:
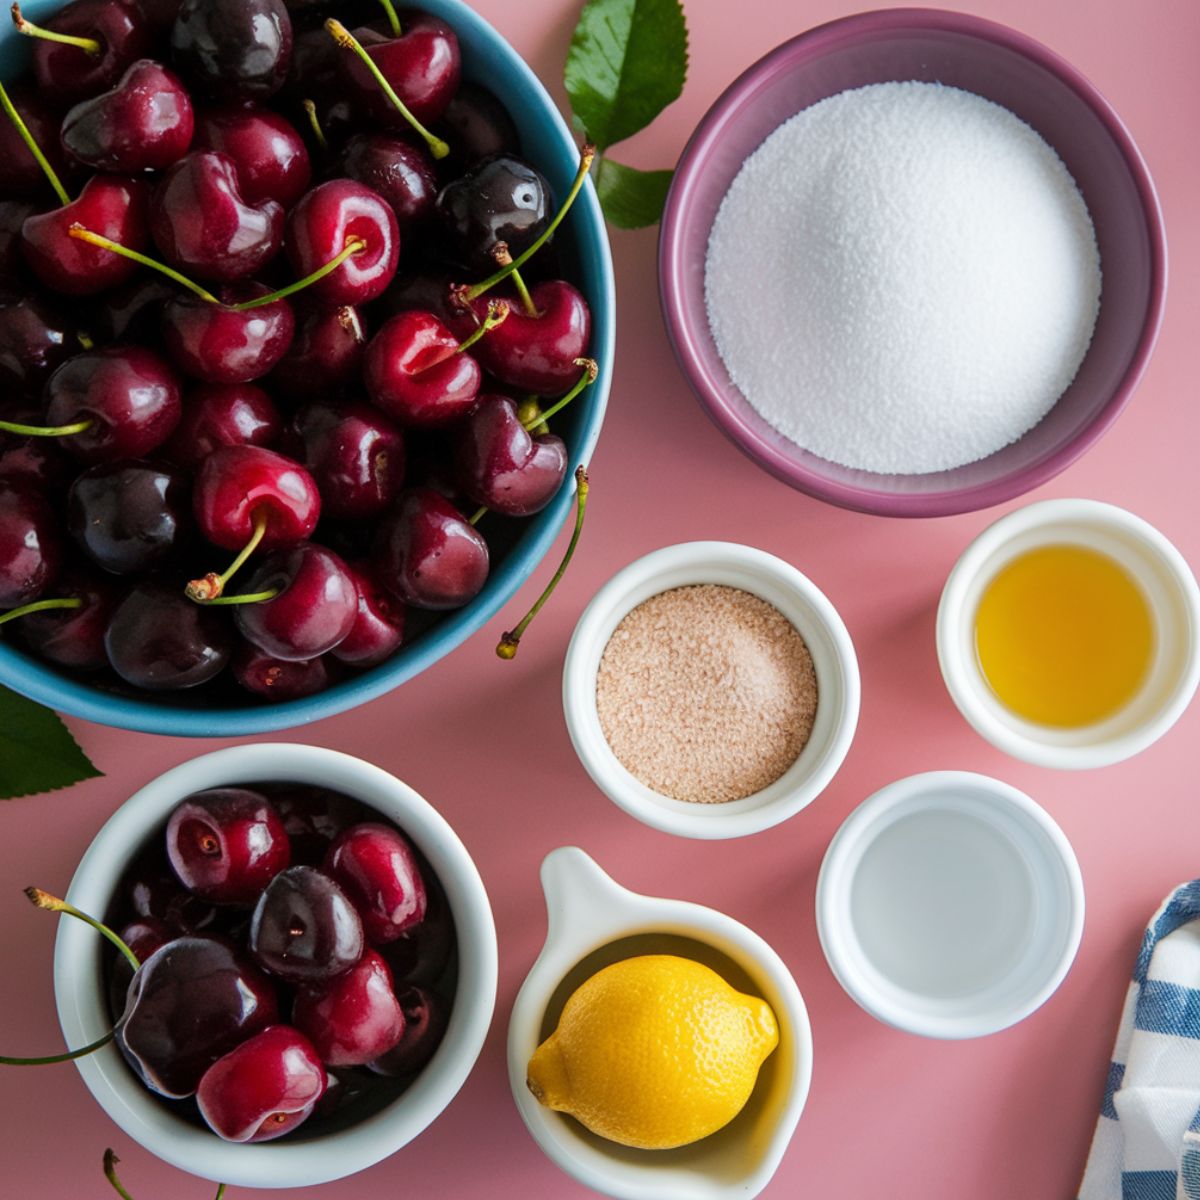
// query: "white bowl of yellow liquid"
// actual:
[[1068, 634]]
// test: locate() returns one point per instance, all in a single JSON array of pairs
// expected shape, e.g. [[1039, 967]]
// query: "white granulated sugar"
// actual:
[[903, 278]]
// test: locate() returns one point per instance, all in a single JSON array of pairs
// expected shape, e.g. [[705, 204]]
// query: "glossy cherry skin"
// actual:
[[313, 609], [537, 354], [324, 221], [67, 74], [378, 628], [476, 126], [273, 679], [144, 123], [313, 817], [74, 637], [143, 936], [154, 893], [272, 159], [263, 1088], [354, 1018], [202, 225], [429, 555], [128, 393], [325, 353], [398, 171], [220, 343], [190, 1003], [30, 545], [378, 870], [236, 483], [159, 640], [304, 928], [113, 206], [425, 1021], [129, 516], [32, 462], [422, 954], [355, 454], [423, 65], [35, 337], [414, 371], [223, 414], [234, 50], [502, 465], [20, 174], [131, 312]]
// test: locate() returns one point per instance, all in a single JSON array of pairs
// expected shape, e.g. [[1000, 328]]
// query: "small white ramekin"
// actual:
[[587, 912], [804, 605], [1168, 585], [950, 905], [83, 1009]]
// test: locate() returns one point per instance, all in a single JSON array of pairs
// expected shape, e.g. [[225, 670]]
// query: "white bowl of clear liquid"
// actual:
[[950, 905]]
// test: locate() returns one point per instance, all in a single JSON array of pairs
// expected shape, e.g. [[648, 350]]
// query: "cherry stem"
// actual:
[[40, 606], [354, 245], [509, 643], [587, 154], [83, 234], [212, 586], [220, 1191], [29, 29], [41, 899], [393, 19], [348, 41], [34, 149], [497, 314], [590, 371], [46, 430], [529, 413], [251, 598], [311, 109], [478, 515], [66, 1056], [110, 1173], [85, 340]]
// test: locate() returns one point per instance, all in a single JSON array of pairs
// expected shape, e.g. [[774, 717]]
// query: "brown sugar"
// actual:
[[706, 693]]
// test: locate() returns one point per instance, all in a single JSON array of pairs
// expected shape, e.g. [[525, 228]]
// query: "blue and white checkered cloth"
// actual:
[[1147, 1143]]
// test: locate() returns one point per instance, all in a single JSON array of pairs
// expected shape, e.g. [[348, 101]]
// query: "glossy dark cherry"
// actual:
[[222, 414], [428, 288], [191, 1002], [226, 844], [476, 125], [325, 353], [429, 555], [74, 637], [263, 1088], [422, 954], [397, 170], [202, 225], [143, 936], [36, 336], [132, 311], [313, 609], [378, 870], [233, 50], [425, 1020], [378, 628], [67, 74], [159, 640], [313, 817], [129, 516], [276, 680], [20, 174], [144, 123], [154, 893], [272, 159], [30, 545]]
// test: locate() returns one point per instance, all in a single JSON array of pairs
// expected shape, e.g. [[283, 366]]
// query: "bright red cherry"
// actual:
[[263, 1088], [222, 414], [400, 172], [425, 1021], [235, 50], [30, 545], [227, 844], [325, 353], [378, 870], [378, 628], [272, 160], [276, 680]]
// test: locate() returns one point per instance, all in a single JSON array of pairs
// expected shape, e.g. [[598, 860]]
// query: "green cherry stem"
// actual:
[[311, 110], [587, 154], [83, 234], [110, 1173], [590, 371], [45, 430], [210, 588], [250, 598], [354, 245], [478, 515], [40, 606], [501, 254], [34, 149], [66, 1056], [497, 314], [348, 41], [393, 19], [29, 29], [41, 899], [220, 1191], [511, 640]]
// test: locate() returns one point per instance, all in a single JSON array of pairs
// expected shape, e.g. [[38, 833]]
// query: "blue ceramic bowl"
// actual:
[[547, 142]]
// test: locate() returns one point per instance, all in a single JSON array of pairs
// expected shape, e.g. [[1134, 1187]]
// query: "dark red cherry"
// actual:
[[272, 160], [273, 679], [429, 555], [223, 414], [35, 463], [325, 353], [20, 173], [155, 893], [132, 312], [30, 545], [429, 289], [202, 225], [354, 1018], [355, 454], [397, 170], [422, 954], [378, 627], [160, 14], [263, 1088], [144, 123], [238, 484], [322, 224], [159, 640], [128, 394], [143, 936], [313, 817], [425, 1021], [190, 1003], [113, 206], [477, 126], [74, 637], [35, 337], [312, 609], [13, 275], [222, 343], [128, 516], [233, 50], [378, 870]]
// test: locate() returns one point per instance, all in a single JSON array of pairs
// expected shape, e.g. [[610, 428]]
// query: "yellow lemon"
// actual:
[[654, 1052]]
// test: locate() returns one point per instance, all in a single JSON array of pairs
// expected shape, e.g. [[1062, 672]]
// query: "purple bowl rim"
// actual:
[[864, 499]]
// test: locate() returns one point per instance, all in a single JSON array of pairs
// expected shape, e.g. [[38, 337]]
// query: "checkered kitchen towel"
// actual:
[[1147, 1144]]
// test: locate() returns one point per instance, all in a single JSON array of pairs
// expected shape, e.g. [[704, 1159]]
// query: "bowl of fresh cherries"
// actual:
[[304, 332], [316, 965]]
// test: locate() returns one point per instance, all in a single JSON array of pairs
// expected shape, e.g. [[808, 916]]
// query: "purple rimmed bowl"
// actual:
[[1042, 89]]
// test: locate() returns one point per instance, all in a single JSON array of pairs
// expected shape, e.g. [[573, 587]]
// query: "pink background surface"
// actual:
[[890, 1114]]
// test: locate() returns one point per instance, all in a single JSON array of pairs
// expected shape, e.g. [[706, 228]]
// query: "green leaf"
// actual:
[[631, 198], [37, 751], [628, 61]]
